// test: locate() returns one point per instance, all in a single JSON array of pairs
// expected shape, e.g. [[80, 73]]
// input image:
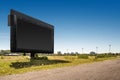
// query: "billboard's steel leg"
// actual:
[[24, 54], [32, 55]]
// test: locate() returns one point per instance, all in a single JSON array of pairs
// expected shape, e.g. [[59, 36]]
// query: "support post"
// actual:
[[32, 55], [24, 54]]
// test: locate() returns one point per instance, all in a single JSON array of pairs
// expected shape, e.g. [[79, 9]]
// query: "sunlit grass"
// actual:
[[20, 64]]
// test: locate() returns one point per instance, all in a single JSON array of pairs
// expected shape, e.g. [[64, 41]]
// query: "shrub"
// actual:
[[83, 56], [2, 57], [100, 55], [41, 58], [106, 55]]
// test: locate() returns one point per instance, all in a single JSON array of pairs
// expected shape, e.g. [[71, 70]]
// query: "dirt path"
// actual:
[[107, 70]]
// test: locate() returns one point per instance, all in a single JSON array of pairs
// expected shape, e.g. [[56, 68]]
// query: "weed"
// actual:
[[2, 57], [83, 56]]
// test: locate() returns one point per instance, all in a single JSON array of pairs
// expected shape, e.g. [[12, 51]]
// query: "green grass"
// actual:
[[20, 64]]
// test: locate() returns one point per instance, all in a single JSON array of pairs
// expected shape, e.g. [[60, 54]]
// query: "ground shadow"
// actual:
[[18, 65]]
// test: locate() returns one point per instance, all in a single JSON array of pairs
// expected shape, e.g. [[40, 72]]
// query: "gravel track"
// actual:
[[106, 70]]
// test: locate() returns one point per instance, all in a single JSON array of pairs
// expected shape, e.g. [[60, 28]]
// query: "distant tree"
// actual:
[[1, 52], [72, 53], [117, 53], [76, 53], [92, 53], [59, 53], [4, 52], [65, 53]]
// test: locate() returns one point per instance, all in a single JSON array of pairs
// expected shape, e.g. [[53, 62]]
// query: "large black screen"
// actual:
[[30, 35], [33, 37]]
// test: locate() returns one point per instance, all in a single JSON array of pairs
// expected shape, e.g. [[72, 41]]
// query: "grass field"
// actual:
[[20, 64]]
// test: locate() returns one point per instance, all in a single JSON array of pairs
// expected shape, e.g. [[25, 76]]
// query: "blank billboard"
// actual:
[[29, 34]]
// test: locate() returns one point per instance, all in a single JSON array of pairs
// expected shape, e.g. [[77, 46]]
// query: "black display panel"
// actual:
[[30, 35]]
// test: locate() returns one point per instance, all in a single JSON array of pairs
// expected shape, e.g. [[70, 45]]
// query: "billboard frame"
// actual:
[[12, 22]]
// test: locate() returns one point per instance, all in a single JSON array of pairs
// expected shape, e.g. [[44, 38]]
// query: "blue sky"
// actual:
[[78, 24]]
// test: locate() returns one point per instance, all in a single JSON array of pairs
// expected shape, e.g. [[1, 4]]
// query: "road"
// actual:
[[106, 70]]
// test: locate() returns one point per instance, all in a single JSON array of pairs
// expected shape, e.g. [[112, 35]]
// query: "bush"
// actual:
[[83, 56], [2, 57], [106, 55], [100, 55], [41, 58]]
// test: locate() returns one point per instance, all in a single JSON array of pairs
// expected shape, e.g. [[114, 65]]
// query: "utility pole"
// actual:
[[96, 49], [67, 50], [82, 50], [109, 48]]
